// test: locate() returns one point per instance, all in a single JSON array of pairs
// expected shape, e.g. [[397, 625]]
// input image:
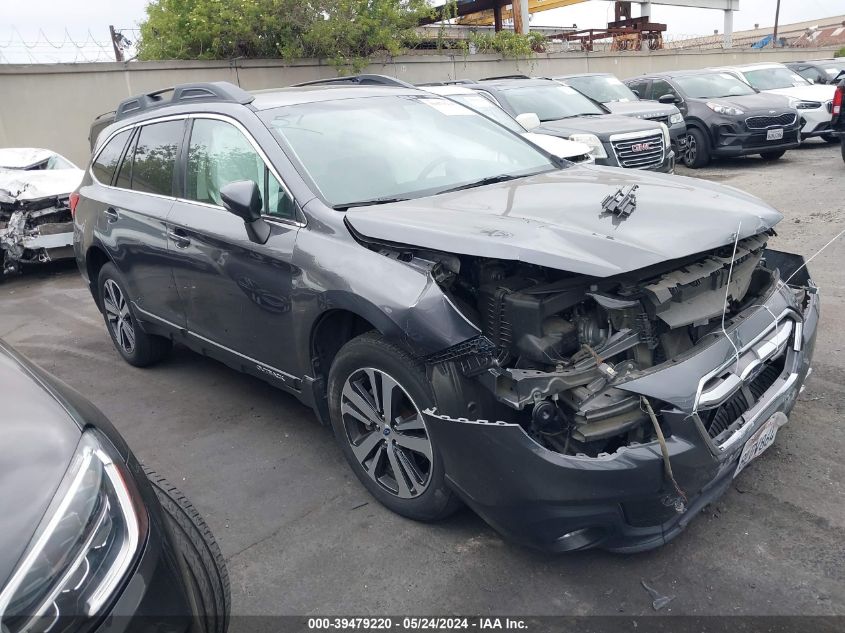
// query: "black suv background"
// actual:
[[820, 71], [724, 116]]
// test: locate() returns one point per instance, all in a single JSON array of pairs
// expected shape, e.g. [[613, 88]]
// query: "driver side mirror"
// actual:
[[243, 199], [668, 98], [528, 120]]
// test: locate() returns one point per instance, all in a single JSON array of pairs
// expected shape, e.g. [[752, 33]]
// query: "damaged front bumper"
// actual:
[[712, 400], [35, 236]]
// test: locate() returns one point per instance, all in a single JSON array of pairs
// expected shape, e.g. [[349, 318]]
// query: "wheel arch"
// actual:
[[95, 258], [701, 126]]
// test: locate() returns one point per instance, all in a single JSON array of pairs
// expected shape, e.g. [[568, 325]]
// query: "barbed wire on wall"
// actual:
[[65, 47]]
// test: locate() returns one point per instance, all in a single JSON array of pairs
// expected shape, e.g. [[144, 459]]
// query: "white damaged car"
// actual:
[[35, 214]]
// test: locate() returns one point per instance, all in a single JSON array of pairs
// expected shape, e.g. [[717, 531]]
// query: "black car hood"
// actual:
[[759, 101], [39, 440], [602, 125], [555, 220], [644, 109]]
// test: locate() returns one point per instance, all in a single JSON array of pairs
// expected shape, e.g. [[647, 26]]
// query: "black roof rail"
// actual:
[[449, 82], [221, 91], [358, 80], [514, 76]]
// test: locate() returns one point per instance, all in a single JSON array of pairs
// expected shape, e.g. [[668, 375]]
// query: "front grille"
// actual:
[[639, 153], [763, 122], [659, 119], [720, 419]]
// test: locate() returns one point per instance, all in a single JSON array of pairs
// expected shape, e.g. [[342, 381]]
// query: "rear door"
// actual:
[[237, 293], [131, 221]]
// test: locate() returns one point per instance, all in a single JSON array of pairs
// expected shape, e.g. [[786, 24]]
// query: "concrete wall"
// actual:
[[47, 105]]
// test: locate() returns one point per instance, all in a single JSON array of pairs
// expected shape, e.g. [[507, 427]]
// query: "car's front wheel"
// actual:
[[697, 153], [136, 346], [200, 551], [377, 395]]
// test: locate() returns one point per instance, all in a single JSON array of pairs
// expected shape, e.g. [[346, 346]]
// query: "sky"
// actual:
[[77, 30]]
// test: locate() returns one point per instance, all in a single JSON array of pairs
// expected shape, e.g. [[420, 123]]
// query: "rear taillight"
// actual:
[[73, 199], [838, 97]]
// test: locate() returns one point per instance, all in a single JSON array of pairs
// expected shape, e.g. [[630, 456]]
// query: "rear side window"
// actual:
[[640, 87], [219, 154], [154, 158], [660, 88], [124, 174], [108, 159]]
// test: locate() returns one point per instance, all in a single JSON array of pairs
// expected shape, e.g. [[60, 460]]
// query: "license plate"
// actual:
[[758, 443], [774, 135]]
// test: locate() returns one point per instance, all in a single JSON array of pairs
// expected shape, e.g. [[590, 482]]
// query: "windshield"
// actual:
[[483, 105], [550, 101], [602, 88], [377, 148], [773, 78], [833, 68], [713, 85]]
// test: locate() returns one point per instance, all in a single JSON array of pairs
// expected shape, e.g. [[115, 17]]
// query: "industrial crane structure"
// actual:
[[626, 31]]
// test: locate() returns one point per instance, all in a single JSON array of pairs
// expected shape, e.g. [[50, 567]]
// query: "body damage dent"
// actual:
[[35, 219]]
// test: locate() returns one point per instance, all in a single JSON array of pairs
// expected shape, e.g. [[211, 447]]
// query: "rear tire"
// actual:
[[391, 453], [697, 153], [770, 156], [830, 138], [135, 346], [842, 148], [200, 551]]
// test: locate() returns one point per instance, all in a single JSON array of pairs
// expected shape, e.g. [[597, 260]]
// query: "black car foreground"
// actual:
[[584, 355], [90, 539]]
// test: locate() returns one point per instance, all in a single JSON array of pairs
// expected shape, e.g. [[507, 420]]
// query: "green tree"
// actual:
[[352, 30], [223, 29], [344, 31]]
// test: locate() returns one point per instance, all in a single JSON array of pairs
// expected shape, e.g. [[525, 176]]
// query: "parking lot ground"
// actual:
[[301, 535]]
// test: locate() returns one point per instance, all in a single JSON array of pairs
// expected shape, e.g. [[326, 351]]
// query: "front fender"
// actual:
[[398, 298]]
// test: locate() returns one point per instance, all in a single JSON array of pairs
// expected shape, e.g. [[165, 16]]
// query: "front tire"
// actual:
[[697, 153], [770, 156], [200, 551], [135, 346], [377, 393]]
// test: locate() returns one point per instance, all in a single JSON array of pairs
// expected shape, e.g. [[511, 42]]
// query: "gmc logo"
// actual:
[[640, 147]]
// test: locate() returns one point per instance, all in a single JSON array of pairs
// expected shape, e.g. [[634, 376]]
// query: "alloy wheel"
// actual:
[[386, 432], [692, 151], [118, 316]]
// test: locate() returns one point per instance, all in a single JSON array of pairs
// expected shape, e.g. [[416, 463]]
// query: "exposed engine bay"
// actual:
[[554, 346], [36, 225]]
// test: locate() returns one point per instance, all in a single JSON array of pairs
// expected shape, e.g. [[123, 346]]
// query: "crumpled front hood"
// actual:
[[556, 220], [33, 185], [602, 125]]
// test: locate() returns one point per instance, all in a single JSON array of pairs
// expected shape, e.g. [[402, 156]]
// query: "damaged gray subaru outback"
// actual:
[[584, 355]]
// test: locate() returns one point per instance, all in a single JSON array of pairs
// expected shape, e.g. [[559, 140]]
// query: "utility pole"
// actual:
[[775, 33], [118, 54]]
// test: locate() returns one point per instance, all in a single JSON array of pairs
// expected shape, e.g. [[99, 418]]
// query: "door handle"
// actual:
[[179, 236], [111, 214]]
